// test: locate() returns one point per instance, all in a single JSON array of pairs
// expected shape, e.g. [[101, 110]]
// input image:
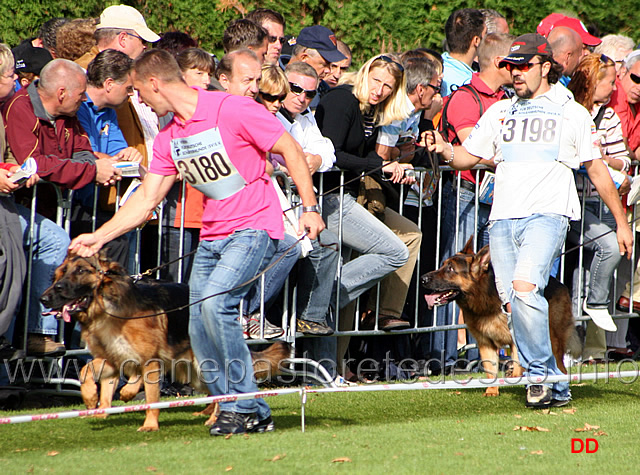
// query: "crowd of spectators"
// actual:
[[69, 102]]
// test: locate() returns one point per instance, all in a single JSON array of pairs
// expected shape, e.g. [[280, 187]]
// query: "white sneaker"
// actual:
[[600, 317], [634, 192], [343, 383]]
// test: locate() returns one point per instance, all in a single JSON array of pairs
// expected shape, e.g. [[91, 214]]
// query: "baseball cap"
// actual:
[[577, 26], [526, 47], [322, 40], [546, 25], [29, 59], [125, 17]]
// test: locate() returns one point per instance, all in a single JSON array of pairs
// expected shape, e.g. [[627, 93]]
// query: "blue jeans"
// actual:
[[171, 252], [524, 249], [445, 344], [50, 249], [605, 249], [381, 251], [275, 277], [317, 279], [214, 325]]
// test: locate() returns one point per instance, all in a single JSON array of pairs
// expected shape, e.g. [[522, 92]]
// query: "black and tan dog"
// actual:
[[107, 303], [468, 279]]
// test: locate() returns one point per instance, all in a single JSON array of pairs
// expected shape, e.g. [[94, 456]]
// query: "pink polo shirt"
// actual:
[[248, 131]]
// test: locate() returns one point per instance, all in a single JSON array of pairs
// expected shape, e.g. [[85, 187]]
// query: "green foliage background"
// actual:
[[368, 26]]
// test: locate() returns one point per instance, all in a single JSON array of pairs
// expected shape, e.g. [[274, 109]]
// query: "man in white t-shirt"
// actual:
[[537, 139]]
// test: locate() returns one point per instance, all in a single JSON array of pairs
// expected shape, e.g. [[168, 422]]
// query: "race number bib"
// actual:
[[531, 132], [204, 163]]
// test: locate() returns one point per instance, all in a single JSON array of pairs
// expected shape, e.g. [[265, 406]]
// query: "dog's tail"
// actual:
[[269, 362]]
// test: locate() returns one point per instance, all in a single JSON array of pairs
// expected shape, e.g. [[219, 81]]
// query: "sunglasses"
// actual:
[[635, 78], [273, 39], [524, 67], [390, 60], [271, 97], [298, 90]]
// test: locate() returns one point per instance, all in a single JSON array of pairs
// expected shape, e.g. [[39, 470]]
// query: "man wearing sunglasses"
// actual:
[[536, 139], [299, 121], [275, 24], [626, 101]]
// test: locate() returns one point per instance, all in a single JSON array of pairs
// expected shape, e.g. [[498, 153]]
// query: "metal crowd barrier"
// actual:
[[288, 320]]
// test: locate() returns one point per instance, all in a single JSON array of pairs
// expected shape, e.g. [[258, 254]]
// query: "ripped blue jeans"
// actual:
[[524, 249]]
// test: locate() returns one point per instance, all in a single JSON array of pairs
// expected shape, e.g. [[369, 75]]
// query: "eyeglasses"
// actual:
[[635, 78], [435, 88], [298, 90], [390, 60], [136, 36], [273, 39], [524, 67], [271, 97]]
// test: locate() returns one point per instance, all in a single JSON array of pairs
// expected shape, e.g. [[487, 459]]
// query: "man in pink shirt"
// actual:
[[217, 142]]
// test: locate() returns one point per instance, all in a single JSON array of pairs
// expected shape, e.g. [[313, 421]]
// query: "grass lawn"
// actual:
[[430, 431]]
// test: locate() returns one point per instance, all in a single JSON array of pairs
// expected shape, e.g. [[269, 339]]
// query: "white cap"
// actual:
[[125, 17]]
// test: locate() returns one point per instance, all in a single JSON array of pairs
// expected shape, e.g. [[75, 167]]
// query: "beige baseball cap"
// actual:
[[126, 18]]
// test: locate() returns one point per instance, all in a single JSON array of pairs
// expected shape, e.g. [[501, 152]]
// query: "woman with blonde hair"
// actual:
[[350, 115], [274, 87]]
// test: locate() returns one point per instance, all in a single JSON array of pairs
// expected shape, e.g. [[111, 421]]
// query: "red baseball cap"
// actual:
[[577, 26], [548, 22]]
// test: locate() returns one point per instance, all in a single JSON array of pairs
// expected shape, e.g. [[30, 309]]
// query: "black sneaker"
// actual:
[[538, 396], [265, 425], [308, 327], [8, 352], [559, 402], [229, 422]]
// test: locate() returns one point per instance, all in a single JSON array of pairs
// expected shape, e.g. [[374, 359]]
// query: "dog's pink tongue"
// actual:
[[66, 316], [431, 299]]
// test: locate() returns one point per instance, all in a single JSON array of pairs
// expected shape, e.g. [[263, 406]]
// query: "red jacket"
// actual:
[[63, 153]]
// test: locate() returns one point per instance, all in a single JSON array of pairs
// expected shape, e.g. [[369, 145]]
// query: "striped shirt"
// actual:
[[609, 132]]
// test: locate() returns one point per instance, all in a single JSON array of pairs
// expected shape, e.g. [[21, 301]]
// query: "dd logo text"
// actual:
[[589, 446]]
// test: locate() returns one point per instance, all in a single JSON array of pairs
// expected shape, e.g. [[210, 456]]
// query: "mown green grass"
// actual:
[[430, 431]]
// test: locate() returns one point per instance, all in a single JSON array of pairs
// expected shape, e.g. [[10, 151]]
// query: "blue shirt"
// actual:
[[455, 73], [101, 127], [105, 136]]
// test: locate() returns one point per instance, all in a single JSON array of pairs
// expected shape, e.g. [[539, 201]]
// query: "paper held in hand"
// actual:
[[26, 171]]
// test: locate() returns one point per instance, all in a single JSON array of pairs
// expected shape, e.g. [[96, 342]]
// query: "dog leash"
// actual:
[[148, 272], [239, 286]]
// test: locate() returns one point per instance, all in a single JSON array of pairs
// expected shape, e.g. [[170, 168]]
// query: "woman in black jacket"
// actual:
[[349, 116]]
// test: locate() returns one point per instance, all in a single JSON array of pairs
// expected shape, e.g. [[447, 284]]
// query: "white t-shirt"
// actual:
[[536, 144]]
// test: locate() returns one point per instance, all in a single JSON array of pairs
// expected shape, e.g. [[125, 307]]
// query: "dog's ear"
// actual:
[[481, 261], [114, 268], [468, 247]]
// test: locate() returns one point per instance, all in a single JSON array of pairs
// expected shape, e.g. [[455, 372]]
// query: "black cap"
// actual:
[[526, 47], [30, 59], [322, 40]]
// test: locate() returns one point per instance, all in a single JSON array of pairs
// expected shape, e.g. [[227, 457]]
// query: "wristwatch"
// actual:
[[311, 209]]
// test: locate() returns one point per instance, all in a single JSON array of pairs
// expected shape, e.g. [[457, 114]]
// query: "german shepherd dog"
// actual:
[[127, 331], [468, 279]]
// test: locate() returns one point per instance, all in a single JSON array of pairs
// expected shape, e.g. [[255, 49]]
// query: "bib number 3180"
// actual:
[[203, 169]]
